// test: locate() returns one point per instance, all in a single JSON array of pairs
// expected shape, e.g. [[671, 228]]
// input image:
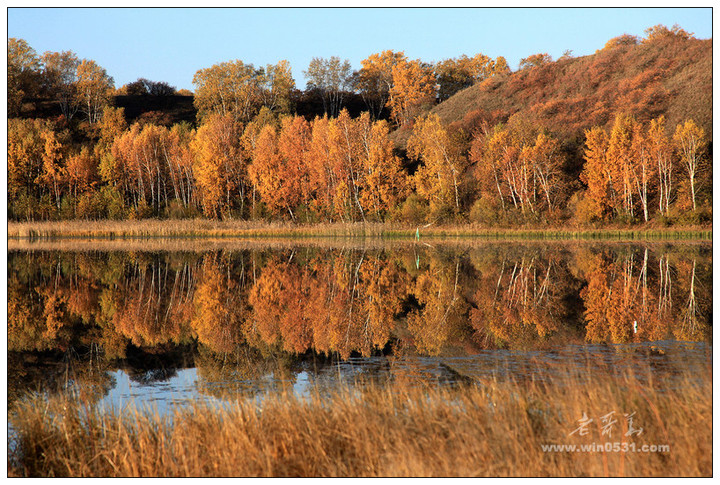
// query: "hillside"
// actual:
[[669, 76]]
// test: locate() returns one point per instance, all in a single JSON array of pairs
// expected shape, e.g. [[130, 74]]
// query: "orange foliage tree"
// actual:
[[535, 60], [438, 180], [53, 174], [382, 182], [278, 168], [661, 32], [219, 166], [520, 163], [33, 162], [81, 171], [340, 168], [637, 160], [374, 80], [413, 85], [620, 161], [454, 75]]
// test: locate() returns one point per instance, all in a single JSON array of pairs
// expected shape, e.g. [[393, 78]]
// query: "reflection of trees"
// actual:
[[343, 304], [363, 294], [442, 314], [664, 288], [71, 314], [522, 298], [690, 314], [616, 299], [151, 302], [625, 301], [240, 372], [279, 299], [26, 327], [112, 308], [56, 371], [219, 306], [49, 300], [694, 317]]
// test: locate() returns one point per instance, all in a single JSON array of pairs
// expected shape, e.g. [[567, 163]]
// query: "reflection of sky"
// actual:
[[180, 389], [302, 384], [159, 396], [185, 387]]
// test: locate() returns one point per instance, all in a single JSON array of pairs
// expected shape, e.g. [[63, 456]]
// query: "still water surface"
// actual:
[[158, 327]]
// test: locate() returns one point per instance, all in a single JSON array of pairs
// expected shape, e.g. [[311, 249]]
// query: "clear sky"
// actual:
[[172, 44]]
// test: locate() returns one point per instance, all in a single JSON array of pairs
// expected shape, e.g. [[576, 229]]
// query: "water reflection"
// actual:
[[247, 319]]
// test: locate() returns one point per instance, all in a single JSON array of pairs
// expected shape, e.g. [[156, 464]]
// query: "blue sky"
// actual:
[[172, 44]]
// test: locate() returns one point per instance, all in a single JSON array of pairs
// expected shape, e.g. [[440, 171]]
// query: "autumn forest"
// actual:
[[374, 144]]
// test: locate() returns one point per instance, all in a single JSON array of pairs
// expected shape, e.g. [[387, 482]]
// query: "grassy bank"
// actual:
[[487, 429], [206, 228]]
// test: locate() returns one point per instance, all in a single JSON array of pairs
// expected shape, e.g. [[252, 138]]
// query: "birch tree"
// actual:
[[332, 78], [690, 144], [93, 89]]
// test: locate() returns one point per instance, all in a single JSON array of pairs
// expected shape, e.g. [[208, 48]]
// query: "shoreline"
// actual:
[[202, 228]]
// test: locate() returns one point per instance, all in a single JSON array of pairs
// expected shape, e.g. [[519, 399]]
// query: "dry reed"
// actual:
[[151, 228], [490, 428]]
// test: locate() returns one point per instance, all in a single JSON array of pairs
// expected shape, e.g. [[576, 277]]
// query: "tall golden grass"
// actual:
[[490, 428], [147, 228]]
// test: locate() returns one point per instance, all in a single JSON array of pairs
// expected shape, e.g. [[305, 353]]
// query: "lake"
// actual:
[[160, 322]]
